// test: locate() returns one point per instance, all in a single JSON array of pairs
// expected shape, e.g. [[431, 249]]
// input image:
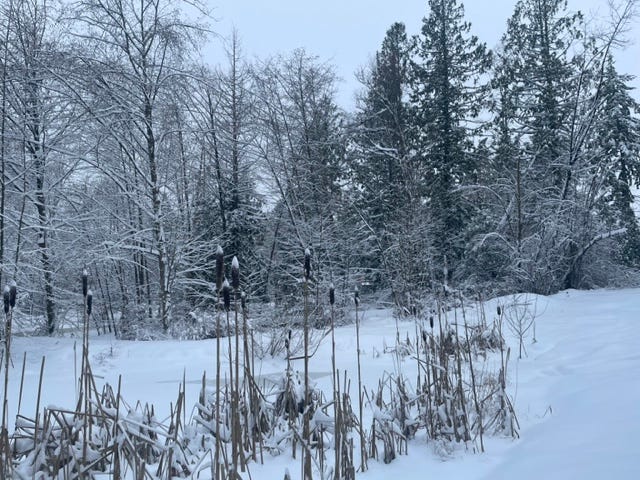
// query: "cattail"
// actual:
[[13, 290], [6, 297], [356, 296], [89, 301], [219, 268], [307, 264], [424, 336], [226, 294], [235, 274], [499, 310], [85, 282], [287, 340], [332, 294]]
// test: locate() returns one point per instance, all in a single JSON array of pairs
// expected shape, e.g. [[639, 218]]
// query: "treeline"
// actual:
[[121, 152]]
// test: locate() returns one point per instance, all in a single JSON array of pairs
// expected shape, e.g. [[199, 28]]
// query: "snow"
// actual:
[[576, 394]]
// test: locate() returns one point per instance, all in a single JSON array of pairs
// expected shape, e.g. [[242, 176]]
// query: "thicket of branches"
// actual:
[[497, 171]]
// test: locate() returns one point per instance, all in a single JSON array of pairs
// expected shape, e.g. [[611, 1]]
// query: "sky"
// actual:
[[347, 33]]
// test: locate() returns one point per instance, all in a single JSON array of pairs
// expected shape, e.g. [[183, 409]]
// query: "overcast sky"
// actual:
[[347, 33]]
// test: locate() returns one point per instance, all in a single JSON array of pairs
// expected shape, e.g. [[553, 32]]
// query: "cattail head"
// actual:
[[431, 321], [307, 264], [235, 274], [356, 296], [219, 268], [499, 310], [89, 301], [226, 294], [332, 294], [6, 294], [424, 336], [85, 282], [13, 291]]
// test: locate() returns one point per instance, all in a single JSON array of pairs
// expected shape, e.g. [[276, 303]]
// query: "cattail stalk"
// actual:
[[288, 380], [219, 281], [306, 433], [464, 418], [248, 389], [474, 385], [337, 445], [226, 299], [5, 449], [503, 366], [235, 395], [363, 448], [84, 373]]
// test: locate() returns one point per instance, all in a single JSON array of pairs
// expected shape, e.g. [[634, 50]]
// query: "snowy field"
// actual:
[[576, 394]]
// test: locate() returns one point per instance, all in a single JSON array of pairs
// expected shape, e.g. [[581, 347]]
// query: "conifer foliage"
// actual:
[[558, 179], [446, 96], [459, 168]]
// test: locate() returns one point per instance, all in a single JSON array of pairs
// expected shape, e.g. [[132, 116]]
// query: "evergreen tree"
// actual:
[[533, 100], [382, 139], [239, 202], [387, 197], [557, 181], [446, 95], [618, 139]]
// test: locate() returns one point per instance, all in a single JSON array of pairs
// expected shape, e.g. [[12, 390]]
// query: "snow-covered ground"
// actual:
[[577, 393]]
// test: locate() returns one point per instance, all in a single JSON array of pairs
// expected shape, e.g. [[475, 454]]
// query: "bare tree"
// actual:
[[137, 54]]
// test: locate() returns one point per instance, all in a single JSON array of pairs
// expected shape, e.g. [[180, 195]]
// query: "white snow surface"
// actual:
[[577, 393]]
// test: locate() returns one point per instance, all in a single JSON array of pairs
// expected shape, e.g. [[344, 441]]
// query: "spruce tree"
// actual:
[[446, 95], [382, 141], [618, 139], [386, 198]]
